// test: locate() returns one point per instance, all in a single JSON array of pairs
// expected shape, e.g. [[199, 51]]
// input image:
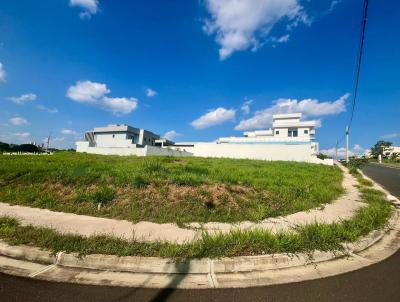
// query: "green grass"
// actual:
[[166, 189], [323, 237], [361, 180]]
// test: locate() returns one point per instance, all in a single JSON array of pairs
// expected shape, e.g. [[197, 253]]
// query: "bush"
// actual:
[[322, 156], [25, 148], [103, 194], [356, 163]]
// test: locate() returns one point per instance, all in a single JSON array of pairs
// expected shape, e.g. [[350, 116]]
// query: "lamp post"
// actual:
[[347, 144]]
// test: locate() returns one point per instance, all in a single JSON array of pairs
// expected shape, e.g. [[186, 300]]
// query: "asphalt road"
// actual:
[[387, 177], [378, 282]]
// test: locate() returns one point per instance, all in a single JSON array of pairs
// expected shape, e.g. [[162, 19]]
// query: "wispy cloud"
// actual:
[[245, 108], [214, 117], [69, 132], [2, 73], [309, 107], [333, 5], [23, 98], [18, 121], [49, 110], [390, 135], [150, 92]]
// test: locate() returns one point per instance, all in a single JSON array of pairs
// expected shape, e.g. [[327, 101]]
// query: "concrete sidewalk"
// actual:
[[342, 208]]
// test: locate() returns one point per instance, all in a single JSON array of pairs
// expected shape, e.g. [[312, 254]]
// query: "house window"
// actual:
[[292, 132], [306, 131], [277, 132]]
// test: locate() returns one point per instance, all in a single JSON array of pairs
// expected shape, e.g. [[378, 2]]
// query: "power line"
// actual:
[[359, 60], [358, 69]]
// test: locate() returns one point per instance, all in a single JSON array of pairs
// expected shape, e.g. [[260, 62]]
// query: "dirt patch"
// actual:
[[60, 190], [210, 195]]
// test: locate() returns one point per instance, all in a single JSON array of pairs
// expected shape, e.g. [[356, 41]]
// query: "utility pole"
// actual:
[[337, 144], [347, 144], [48, 143]]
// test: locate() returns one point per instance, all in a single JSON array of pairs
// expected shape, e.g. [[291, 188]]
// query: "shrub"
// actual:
[[322, 156], [103, 194]]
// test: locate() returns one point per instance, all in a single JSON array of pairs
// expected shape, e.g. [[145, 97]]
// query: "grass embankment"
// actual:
[[324, 237], [166, 189]]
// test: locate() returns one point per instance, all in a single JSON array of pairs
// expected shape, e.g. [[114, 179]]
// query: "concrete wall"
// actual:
[[133, 150], [107, 140], [299, 152]]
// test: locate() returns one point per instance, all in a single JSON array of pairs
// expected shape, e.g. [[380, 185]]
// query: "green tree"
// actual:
[[4, 147], [25, 148], [378, 147]]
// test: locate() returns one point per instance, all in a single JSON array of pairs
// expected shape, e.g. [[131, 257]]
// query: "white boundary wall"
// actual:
[[125, 151], [284, 152]]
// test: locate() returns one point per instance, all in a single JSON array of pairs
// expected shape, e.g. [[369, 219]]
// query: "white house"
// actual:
[[391, 151], [125, 140], [289, 139]]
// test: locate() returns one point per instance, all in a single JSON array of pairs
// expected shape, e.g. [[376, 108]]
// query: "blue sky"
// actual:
[[196, 70]]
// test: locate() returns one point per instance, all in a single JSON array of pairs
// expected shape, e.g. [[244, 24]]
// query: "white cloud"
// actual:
[[87, 91], [241, 24], [2, 73], [214, 117], [95, 94], [150, 92], [246, 107], [49, 110], [309, 107], [90, 7], [69, 132], [119, 105], [23, 98], [18, 121], [171, 135], [357, 150]]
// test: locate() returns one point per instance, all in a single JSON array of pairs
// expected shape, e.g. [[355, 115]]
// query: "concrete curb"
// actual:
[[243, 271], [198, 273]]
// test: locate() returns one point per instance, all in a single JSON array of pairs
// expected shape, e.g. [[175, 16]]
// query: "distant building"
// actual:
[[286, 129], [125, 140], [289, 139], [391, 151]]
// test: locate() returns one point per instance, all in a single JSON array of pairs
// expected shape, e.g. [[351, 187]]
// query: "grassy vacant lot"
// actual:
[[324, 237], [166, 189]]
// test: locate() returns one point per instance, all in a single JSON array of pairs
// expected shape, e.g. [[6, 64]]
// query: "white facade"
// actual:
[[289, 139], [124, 140], [389, 151]]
